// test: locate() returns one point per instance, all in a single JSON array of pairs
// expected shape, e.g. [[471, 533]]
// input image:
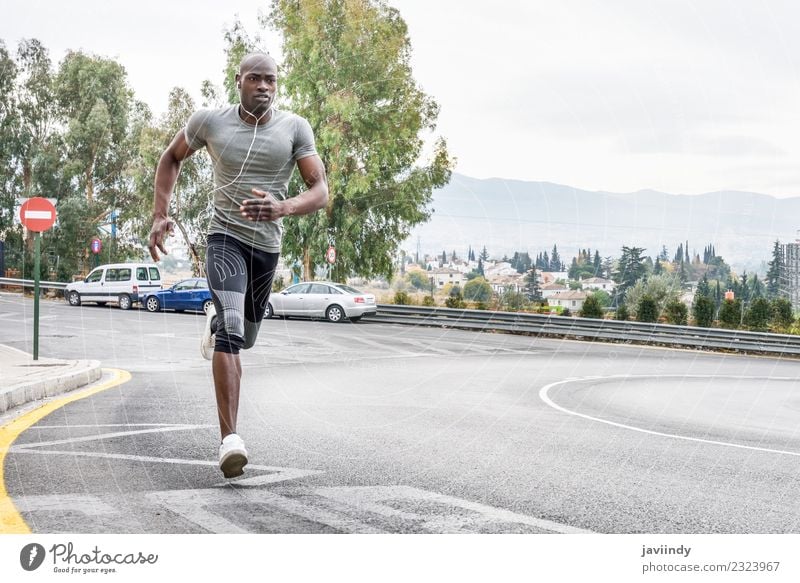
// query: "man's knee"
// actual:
[[250, 333]]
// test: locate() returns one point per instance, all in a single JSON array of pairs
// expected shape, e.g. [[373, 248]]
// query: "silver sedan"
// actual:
[[322, 299]]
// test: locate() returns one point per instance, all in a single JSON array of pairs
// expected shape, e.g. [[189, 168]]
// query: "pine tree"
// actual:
[[676, 312], [532, 288], [730, 313], [555, 260], [774, 272], [630, 269], [703, 311], [782, 316], [598, 264], [647, 310], [591, 308], [758, 315], [703, 289], [657, 268], [484, 254], [678, 254]]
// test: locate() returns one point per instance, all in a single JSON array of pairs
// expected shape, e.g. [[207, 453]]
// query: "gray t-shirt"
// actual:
[[276, 146]]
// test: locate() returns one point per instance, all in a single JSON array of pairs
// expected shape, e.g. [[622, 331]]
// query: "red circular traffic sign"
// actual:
[[37, 214], [331, 255], [96, 245]]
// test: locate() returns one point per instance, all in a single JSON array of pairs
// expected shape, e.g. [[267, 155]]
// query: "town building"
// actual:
[[568, 299], [789, 281], [551, 289], [599, 283]]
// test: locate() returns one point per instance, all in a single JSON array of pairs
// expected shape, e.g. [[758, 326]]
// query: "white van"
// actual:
[[122, 283]]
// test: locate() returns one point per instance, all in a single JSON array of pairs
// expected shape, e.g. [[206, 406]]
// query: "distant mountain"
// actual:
[[513, 215]]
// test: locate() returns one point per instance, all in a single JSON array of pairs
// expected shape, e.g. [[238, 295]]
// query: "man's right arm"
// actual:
[[167, 171]]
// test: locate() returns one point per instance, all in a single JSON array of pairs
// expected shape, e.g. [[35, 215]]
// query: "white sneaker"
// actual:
[[232, 456], [209, 338]]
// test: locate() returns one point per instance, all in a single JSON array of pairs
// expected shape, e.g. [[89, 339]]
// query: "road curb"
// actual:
[[47, 380]]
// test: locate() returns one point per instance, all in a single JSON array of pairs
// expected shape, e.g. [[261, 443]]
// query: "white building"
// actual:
[[443, 276], [568, 299], [550, 289], [599, 283], [514, 282]]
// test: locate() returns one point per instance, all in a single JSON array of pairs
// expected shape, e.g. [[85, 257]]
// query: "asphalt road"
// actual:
[[379, 428]]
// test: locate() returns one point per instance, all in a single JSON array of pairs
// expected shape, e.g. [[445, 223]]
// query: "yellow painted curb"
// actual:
[[10, 520]]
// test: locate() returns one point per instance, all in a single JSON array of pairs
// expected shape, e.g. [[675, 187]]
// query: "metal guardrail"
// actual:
[[13, 282], [563, 327], [592, 329]]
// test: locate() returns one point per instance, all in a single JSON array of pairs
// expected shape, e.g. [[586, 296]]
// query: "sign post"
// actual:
[[330, 257], [37, 215], [96, 246]]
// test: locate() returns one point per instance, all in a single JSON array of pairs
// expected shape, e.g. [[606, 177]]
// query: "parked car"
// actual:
[[189, 294], [121, 283], [322, 299]]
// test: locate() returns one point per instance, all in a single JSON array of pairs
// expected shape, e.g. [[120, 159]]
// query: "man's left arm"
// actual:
[[267, 208]]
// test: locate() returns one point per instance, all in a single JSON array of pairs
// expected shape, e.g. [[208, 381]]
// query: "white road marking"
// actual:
[[337, 507], [546, 398], [90, 426], [375, 499], [159, 460], [193, 506], [83, 503], [107, 436]]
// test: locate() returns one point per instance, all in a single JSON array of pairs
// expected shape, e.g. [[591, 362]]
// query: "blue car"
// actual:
[[189, 294]]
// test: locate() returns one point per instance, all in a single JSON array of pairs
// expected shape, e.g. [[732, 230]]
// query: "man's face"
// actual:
[[257, 81]]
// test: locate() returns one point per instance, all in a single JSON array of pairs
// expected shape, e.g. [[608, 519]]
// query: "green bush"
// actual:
[[730, 313], [428, 301], [455, 302], [647, 310], [703, 311], [591, 308], [676, 312], [782, 316], [401, 298], [758, 315], [478, 290], [622, 313]]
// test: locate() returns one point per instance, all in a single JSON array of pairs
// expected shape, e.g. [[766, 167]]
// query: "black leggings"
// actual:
[[240, 279]]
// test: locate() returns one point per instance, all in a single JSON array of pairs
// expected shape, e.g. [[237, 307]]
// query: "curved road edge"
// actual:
[[11, 522]]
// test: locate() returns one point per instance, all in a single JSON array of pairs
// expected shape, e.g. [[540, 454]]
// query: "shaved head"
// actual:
[[251, 60], [257, 81]]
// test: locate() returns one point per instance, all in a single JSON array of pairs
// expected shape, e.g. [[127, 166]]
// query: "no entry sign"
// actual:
[[37, 214]]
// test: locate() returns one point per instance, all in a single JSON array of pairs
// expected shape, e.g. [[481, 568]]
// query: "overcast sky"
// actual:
[[619, 95]]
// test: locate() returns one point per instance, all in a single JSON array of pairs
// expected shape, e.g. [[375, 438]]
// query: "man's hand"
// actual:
[[264, 207], [162, 228]]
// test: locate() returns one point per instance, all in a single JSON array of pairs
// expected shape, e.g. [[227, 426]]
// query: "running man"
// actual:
[[254, 148]]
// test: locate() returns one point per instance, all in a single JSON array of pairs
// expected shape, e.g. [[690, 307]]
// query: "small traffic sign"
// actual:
[[331, 255], [37, 214], [96, 246]]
